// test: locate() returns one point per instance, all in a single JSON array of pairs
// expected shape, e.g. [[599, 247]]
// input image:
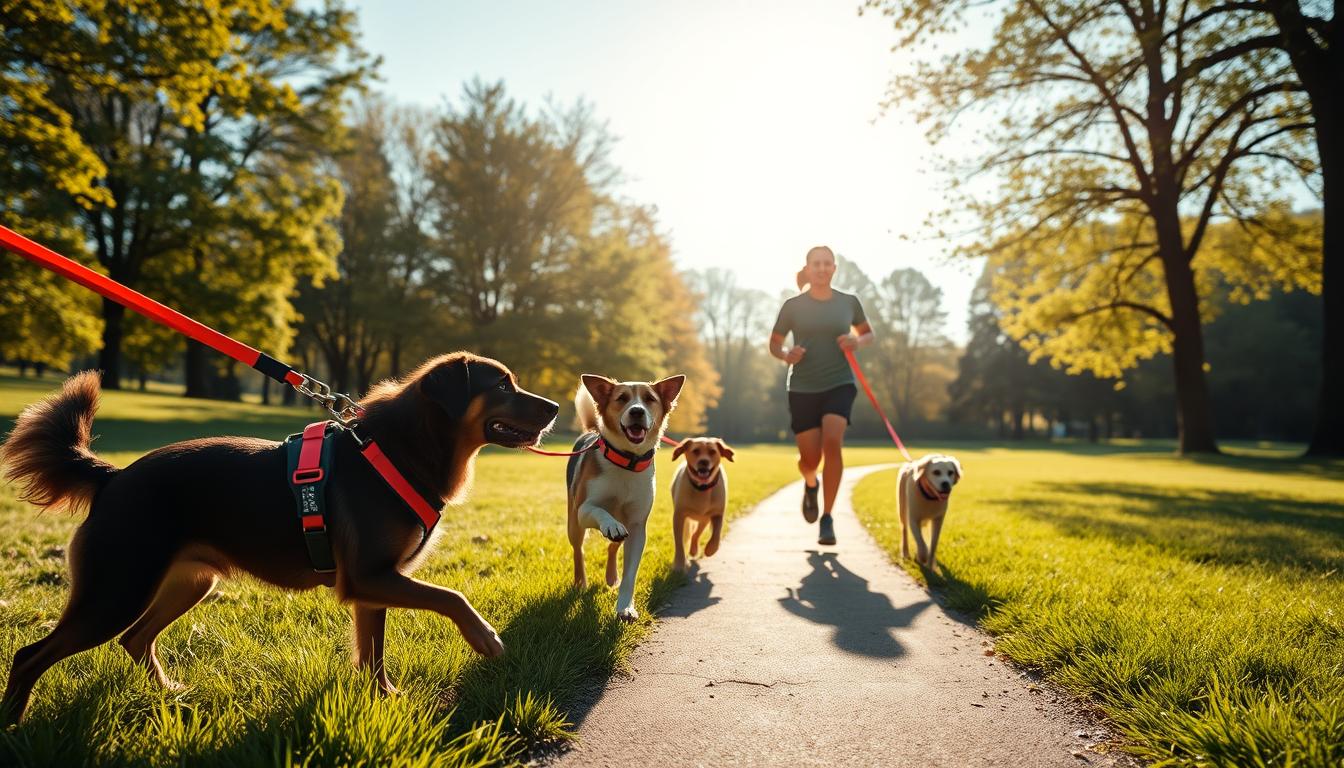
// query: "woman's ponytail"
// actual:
[[802, 278]]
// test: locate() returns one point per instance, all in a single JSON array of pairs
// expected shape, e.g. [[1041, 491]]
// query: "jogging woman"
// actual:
[[824, 323]]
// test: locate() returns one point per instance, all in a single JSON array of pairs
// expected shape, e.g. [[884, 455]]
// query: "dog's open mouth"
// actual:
[[634, 432], [503, 433], [702, 475]]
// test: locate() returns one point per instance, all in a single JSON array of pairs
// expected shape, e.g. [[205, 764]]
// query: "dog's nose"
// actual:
[[545, 408], [947, 486], [550, 408], [637, 411]]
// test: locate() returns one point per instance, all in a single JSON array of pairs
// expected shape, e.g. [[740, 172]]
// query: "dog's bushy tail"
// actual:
[[47, 453]]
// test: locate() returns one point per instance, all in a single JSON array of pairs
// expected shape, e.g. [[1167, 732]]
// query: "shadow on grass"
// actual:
[[1203, 526], [863, 619]]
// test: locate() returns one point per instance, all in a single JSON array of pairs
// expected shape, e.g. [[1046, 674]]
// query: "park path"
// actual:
[[783, 652]]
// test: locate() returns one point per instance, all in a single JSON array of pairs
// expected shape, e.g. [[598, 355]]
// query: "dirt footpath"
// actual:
[[783, 652]]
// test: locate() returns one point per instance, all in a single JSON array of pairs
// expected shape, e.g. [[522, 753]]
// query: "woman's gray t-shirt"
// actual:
[[815, 326]]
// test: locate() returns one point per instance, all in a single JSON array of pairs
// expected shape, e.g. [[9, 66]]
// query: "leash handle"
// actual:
[[858, 372]]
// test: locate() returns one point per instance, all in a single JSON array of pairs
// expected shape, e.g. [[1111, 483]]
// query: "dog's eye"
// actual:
[[505, 385], [622, 398]]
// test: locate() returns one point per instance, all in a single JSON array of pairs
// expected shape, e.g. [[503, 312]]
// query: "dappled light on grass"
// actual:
[[1197, 603]]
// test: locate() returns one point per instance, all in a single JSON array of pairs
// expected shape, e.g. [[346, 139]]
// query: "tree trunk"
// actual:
[[1194, 419], [197, 370], [109, 357], [1328, 436]]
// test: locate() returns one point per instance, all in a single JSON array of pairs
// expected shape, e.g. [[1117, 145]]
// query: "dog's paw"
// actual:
[[485, 641], [614, 531], [613, 579], [386, 688], [628, 614], [679, 566], [694, 549], [711, 547]]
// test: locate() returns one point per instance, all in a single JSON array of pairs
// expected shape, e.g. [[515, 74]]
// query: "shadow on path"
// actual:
[[863, 619], [694, 596]]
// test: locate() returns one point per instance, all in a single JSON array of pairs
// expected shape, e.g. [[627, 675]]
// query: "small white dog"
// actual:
[[922, 490], [611, 486]]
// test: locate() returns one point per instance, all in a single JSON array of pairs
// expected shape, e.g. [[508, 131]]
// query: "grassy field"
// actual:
[[1199, 604], [269, 682]]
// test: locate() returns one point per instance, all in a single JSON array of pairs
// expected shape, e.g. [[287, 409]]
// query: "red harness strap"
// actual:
[[429, 515]]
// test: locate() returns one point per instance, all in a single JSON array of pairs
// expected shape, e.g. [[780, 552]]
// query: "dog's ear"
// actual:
[[724, 449], [681, 448], [668, 389], [922, 464], [599, 387], [449, 385], [956, 467]]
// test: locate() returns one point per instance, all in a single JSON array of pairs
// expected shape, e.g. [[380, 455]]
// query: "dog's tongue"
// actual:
[[636, 434]]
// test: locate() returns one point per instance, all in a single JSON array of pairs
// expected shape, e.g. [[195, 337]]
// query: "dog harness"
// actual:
[[309, 465]]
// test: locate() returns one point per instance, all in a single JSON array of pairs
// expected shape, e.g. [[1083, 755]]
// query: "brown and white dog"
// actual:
[[699, 495], [922, 490], [162, 531], [611, 486]]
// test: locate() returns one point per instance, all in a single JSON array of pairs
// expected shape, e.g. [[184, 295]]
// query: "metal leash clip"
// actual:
[[341, 406]]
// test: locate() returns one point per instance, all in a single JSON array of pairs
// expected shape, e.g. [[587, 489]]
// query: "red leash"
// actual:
[[854, 364], [540, 452], [76, 272]]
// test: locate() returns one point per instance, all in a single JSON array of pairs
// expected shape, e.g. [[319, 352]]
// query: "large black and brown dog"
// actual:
[[162, 531]]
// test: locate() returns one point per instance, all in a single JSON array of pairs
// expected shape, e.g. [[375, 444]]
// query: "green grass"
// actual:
[[1199, 604], [268, 676]]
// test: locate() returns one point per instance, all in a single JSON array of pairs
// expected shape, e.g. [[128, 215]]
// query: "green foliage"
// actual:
[[207, 133], [45, 318], [1116, 136], [1196, 603]]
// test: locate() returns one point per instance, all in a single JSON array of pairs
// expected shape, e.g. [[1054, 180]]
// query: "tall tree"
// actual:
[[514, 195], [1120, 140], [206, 127], [1309, 33], [913, 332]]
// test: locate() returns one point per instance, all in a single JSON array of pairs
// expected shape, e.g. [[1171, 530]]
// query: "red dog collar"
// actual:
[[625, 459], [927, 490]]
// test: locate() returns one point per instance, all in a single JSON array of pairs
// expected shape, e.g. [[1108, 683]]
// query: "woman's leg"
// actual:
[[809, 454], [832, 439]]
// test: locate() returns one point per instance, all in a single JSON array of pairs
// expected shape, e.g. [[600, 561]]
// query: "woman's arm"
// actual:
[[791, 355], [861, 336]]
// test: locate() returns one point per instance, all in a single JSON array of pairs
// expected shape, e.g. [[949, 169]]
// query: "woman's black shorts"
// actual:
[[807, 408]]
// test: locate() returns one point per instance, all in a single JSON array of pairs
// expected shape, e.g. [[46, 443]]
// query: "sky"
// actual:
[[754, 127]]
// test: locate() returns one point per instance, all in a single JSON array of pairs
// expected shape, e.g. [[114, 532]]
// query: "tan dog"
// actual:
[[699, 495], [922, 491], [611, 482]]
